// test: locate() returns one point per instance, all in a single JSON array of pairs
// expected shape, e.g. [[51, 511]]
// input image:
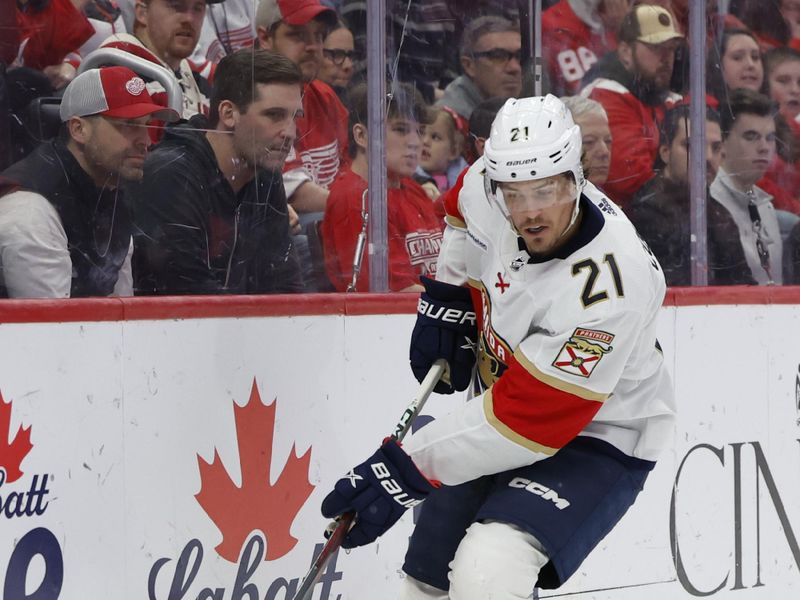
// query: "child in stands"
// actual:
[[415, 232], [441, 161]]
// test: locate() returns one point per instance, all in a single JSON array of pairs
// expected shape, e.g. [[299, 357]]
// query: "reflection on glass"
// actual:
[[630, 60]]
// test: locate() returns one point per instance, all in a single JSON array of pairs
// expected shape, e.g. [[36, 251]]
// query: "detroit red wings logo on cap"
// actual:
[[135, 86]]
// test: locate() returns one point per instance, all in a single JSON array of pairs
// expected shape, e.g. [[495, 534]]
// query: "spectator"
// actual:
[[415, 232], [480, 126], [440, 160], [166, 32], [105, 17], [782, 85], [716, 21], [51, 31], [490, 58], [419, 38], [65, 229], [337, 60], [790, 11], [661, 209], [634, 91], [748, 146], [737, 65], [211, 211], [575, 33], [229, 25], [782, 81], [591, 117], [775, 23], [297, 31], [716, 24]]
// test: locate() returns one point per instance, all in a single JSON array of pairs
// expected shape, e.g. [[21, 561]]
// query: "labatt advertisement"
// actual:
[[167, 459]]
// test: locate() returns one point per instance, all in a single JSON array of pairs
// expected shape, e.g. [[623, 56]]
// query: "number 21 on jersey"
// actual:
[[589, 295]]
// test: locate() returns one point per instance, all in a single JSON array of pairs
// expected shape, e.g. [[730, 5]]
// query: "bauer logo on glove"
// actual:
[[448, 315], [445, 328], [388, 483], [379, 491]]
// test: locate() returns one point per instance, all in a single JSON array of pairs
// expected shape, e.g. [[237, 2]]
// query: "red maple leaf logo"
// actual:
[[12, 453], [257, 504]]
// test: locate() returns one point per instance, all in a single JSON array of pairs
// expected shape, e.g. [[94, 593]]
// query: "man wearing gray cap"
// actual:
[[65, 230]]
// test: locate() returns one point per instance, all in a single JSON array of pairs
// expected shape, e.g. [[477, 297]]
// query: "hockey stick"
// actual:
[[306, 588]]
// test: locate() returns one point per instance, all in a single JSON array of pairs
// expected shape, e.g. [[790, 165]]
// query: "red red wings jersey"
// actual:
[[321, 146], [567, 343], [226, 27], [570, 47], [635, 130], [415, 233]]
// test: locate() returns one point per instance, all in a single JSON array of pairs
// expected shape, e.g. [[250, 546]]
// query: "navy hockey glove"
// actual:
[[445, 328], [379, 491]]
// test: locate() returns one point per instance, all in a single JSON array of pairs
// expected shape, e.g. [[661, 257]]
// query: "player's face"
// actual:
[[115, 149], [540, 210], [784, 87], [596, 137], [302, 44], [749, 148], [337, 63], [741, 63], [403, 143], [653, 63], [172, 27], [438, 146], [265, 132], [494, 66]]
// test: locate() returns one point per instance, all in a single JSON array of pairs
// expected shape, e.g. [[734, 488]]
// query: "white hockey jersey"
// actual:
[[567, 345]]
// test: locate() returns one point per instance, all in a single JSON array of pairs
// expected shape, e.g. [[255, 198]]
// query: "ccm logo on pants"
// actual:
[[540, 490]]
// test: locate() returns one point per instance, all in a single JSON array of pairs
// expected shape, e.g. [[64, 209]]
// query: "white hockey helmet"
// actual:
[[532, 138]]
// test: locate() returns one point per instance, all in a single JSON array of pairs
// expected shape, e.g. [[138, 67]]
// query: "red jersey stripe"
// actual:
[[535, 414], [453, 214]]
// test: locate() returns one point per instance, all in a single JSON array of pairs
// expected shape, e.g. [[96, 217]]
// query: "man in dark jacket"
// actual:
[[65, 229], [660, 210], [211, 212]]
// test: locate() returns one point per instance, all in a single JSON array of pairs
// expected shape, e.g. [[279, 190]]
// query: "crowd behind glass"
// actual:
[[255, 181]]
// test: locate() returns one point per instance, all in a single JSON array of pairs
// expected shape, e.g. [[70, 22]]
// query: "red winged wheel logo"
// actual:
[[258, 504]]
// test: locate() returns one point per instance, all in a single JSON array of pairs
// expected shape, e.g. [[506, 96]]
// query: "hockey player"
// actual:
[[573, 402]]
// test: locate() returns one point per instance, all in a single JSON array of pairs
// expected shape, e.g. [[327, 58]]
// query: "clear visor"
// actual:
[[539, 194]]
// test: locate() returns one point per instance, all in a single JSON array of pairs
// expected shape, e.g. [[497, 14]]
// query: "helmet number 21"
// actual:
[[519, 134]]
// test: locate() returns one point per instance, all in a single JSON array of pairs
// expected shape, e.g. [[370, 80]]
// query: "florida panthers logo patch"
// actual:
[[583, 351]]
